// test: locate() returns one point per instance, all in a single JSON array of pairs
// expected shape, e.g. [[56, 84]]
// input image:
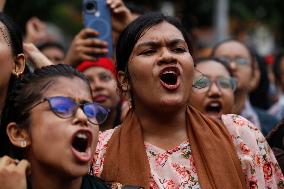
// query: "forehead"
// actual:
[[161, 31], [96, 70], [4, 34], [232, 48], [212, 68], [75, 88]]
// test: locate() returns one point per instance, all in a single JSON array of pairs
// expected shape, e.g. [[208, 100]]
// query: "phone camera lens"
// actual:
[[90, 6]]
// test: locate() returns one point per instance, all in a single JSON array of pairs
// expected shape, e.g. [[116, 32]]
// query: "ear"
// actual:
[[123, 81], [19, 64], [18, 136], [255, 79]]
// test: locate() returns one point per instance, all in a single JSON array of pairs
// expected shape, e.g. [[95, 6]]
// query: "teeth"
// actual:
[[82, 136], [171, 72], [214, 104]]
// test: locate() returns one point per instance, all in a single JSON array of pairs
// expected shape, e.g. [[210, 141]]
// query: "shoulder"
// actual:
[[257, 159]]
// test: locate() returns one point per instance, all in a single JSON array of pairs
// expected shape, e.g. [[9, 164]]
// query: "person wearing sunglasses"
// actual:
[[242, 63], [213, 88], [53, 122]]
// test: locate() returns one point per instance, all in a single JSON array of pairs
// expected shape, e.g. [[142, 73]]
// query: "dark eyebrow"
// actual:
[[177, 41], [157, 44], [148, 44]]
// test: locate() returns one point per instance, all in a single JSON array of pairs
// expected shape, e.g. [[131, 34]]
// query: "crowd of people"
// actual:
[[153, 116]]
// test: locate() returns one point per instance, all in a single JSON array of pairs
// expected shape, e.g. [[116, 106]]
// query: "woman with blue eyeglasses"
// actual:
[[213, 88], [52, 122]]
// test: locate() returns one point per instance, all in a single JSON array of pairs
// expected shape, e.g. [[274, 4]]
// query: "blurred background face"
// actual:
[[216, 100], [238, 58], [54, 54], [104, 86]]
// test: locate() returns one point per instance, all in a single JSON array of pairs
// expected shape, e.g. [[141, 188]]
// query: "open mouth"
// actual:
[[169, 78], [81, 143], [213, 107]]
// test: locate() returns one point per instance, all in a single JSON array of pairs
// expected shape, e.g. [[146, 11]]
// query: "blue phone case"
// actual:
[[97, 15]]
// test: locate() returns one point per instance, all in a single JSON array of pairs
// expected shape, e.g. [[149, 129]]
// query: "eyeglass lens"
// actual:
[[65, 107]]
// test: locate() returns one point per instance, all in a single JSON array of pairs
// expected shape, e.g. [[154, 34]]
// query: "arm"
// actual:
[[37, 59]]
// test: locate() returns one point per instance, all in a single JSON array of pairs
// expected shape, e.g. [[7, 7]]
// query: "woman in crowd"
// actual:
[[163, 142], [277, 108], [12, 64], [216, 96], [242, 62], [51, 114], [102, 77]]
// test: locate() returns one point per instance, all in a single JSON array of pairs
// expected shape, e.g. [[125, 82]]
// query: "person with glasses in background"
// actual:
[[213, 88], [52, 121], [242, 63]]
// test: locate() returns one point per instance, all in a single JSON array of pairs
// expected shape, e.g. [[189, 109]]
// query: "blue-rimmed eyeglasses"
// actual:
[[65, 107], [239, 60], [202, 83]]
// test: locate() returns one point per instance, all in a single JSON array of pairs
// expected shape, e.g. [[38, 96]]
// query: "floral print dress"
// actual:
[[174, 168]]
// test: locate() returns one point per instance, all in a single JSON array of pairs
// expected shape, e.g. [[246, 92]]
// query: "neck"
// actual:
[[108, 124], [165, 130], [50, 180], [240, 100]]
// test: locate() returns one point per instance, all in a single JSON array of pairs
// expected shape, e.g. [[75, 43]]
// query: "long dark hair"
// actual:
[[26, 93]]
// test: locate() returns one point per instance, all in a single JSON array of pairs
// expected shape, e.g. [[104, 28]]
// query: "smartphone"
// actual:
[[97, 15]]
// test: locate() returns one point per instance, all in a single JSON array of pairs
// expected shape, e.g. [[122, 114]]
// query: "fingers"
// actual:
[[86, 33], [24, 167], [93, 51], [5, 160], [93, 42]]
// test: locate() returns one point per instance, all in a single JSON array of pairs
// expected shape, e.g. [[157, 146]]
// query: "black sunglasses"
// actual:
[[65, 107]]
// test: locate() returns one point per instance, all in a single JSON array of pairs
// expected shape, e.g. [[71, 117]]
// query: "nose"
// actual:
[[233, 65], [166, 57], [214, 90], [97, 84], [80, 118]]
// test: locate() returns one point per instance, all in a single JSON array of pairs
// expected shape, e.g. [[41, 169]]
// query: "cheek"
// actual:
[[228, 97]]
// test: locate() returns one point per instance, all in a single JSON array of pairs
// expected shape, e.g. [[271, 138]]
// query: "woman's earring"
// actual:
[[124, 88], [23, 144]]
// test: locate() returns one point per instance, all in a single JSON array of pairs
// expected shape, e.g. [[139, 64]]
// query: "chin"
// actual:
[[78, 171]]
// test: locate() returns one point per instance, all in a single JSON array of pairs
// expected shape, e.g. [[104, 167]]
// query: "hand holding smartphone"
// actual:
[[97, 15]]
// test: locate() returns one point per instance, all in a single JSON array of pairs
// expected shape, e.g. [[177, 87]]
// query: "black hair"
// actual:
[[135, 30], [49, 44], [259, 97], [26, 93], [205, 59], [277, 65], [16, 45]]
